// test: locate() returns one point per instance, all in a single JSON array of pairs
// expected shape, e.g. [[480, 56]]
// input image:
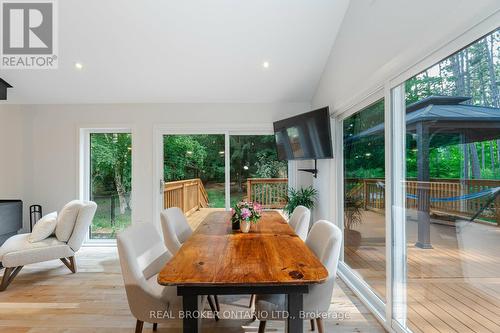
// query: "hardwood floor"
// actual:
[[46, 297], [453, 287]]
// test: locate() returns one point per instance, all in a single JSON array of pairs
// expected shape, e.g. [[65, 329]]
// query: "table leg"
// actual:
[[295, 306], [190, 307]]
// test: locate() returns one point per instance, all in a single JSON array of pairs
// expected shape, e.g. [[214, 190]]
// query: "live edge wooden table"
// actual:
[[270, 259]]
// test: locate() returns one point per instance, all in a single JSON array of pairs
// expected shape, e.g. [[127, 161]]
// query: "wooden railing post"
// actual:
[[365, 195], [184, 198], [249, 190], [497, 209]]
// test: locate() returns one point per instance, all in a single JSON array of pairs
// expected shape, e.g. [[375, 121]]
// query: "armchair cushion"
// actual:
[[19, 251], [44, 228], [66, 220]]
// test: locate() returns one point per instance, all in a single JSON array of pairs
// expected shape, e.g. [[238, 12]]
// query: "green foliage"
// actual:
[[184, 157], [302, 197], [267, 166]]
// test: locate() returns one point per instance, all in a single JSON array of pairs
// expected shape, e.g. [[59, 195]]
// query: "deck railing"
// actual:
[[189, 195], [269, 192], [372, 193]]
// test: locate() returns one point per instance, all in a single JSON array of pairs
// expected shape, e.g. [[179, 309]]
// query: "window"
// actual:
[[364, 195], [109, 182], [451, 191]]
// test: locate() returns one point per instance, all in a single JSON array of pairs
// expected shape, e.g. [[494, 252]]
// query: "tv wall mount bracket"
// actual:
[[313, 171]]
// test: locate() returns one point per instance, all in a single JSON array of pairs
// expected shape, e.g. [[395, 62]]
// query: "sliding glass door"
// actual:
[[364, 196], [202, 173]]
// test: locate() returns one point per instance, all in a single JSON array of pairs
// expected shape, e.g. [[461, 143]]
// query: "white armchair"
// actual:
[[72, 225], [324, 240], [299, 221], [142, 256]]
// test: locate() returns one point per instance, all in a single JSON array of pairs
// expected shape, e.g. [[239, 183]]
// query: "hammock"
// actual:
[[469, 196]]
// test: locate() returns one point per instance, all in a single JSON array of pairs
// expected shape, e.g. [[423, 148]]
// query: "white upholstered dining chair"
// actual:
[[176, 231], [324, 240], [299, 221], [72, 226], [142, 256]]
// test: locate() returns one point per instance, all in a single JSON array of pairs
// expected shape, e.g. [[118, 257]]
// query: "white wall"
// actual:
[[52, 178], [379, 40]]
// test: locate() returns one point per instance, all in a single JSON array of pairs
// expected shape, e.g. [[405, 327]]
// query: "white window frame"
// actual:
[[186, 129], [84, 170]]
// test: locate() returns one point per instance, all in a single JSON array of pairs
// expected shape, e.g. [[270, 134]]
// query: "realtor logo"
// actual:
[[28, 34]]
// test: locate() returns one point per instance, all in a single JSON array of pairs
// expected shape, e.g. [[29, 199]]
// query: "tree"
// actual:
[[111, 161]]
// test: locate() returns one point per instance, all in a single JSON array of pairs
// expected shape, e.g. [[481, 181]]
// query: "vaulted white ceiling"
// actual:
[[136, 51]]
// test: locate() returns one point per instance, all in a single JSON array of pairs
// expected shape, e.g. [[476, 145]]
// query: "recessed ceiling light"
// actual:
[[265, 64], [78, 65]]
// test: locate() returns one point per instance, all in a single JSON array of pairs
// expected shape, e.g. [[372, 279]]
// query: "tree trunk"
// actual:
[[476, 171], [491, 71], [120, 189], [492, 158], [483, 156]]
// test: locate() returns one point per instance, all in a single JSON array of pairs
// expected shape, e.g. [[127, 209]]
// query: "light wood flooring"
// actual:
[[46, 297]]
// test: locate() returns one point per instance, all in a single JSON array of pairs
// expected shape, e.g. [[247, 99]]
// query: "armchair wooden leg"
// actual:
[[70, 262], [262, 326], [155, 327], [8, 276], [138, 326], [319, 323], [312, 325]]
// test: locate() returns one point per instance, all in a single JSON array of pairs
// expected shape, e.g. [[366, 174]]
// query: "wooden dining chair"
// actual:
[[324, 240], [176, 231]]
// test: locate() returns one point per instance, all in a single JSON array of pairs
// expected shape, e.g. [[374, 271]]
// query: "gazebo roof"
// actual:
[[444, 115]]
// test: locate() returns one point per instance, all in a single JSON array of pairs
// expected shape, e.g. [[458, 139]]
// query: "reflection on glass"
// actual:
[[452, 192], [110, 183], [364, 195]]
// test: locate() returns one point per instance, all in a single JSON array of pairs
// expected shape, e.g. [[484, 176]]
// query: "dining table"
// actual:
[[217, 260]]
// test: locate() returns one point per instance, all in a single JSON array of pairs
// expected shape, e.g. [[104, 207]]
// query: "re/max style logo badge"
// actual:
[[28, 36]]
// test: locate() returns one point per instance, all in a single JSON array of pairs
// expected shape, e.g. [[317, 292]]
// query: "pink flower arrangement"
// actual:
[[246, 211]]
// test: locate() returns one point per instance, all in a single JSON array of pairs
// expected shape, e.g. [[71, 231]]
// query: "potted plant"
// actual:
[[244, 214], [302, 197], [352, 218]]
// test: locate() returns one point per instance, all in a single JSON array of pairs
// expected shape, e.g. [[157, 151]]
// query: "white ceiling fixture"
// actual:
[[78, 65], [265, 64], [184, 51]]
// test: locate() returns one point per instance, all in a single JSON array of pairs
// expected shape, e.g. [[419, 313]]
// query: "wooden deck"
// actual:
[[454, 287]]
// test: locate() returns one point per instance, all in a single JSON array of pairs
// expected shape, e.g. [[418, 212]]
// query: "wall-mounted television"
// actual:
[[304, 137]]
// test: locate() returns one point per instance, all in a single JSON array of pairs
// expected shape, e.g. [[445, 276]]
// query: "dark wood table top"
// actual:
[[270, 254]]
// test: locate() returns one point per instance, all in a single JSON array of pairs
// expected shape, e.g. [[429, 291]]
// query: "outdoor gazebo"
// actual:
[[439, 121]]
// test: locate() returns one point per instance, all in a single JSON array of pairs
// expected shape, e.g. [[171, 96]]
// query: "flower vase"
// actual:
[[245, 226]]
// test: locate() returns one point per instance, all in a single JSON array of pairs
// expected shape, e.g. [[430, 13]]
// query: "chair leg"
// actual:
[[155, 327], [212, 307], [70, 262], [8, 276], [252, 301], [312, 325], [319, 323], [262, 326], [138, 326], [217, 305]]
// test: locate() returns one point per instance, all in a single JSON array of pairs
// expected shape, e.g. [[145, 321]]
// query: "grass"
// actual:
[[101, 225], [217, 197]]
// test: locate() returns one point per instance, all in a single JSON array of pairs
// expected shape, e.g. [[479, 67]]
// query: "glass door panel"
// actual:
[[256, 174], [364, 196], [110, 183]]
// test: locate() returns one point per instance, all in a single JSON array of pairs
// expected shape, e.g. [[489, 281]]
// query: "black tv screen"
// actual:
[[304, 137]]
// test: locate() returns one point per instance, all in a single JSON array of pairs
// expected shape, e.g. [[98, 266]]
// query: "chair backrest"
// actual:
[[299, 221], [142, 255], [324, 240], [82, 223], [175, 227]]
